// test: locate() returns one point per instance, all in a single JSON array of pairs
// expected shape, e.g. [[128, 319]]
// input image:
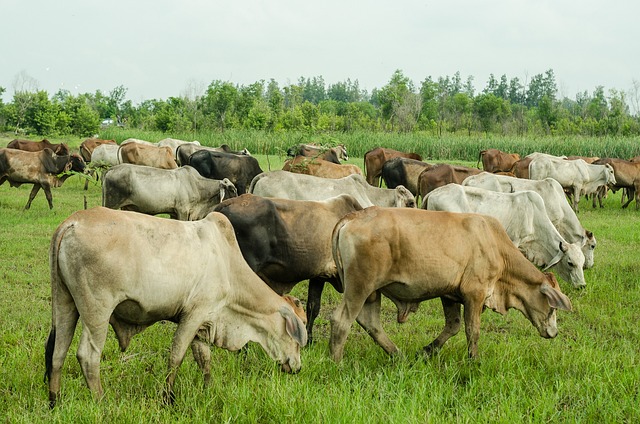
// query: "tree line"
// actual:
[[446, 105]]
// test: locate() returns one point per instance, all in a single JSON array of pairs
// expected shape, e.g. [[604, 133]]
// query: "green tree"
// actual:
[[219, 103]]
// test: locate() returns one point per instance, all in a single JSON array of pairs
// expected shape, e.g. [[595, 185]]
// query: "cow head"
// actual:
[[285, 342], [404, 198], [569, 263], [541, 304], [588, 246], [227, 189], [610, 176]]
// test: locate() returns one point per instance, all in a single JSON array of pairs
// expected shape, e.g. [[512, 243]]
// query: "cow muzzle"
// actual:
[[290, 368]]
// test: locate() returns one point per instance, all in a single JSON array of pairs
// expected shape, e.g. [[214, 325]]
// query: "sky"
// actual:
[[162, 48]]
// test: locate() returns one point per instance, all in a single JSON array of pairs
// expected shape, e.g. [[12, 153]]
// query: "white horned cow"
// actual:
[[559, 211], [381, 251], [182, 193], [130, 279], [524, 218], [576, 176], [288, 185]]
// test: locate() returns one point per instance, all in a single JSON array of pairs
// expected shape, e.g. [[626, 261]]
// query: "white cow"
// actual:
[[576, 176], [289, 185], [558, 209], [173, 144], [106, 155], [120, 268], [524, 217], [182, 193]]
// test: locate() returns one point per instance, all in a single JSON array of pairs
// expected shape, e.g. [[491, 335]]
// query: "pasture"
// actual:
[[590, 372]]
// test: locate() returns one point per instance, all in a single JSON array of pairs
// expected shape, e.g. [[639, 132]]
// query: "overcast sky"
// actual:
[[160, 48]]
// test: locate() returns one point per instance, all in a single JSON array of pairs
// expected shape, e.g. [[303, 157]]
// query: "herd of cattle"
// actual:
[[499, 231]]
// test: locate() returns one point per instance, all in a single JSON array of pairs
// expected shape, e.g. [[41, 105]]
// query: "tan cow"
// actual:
[[375, 158], [130, 278], [320, 167], [442, 174], [382, 251], [627, 175], [494, 160], [142, 154]]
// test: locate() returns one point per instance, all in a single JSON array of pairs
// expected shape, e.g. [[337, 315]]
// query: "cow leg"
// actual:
[[32, 195], [369, 319], [184, 335], [314, 296], [341, 320], [58, 344], [452, 323], [202, 355], [472, 312], [89, 351], [631, 194], [576, 198], [47, 193]]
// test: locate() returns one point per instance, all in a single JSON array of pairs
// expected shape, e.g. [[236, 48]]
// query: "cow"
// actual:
[[335, 154], [239, 169], [588, 159], [105, 155], [494, 160], [287, 241], [404, 171], [382, 251], [184, 152], [288, 185], [320, 167], [89, 145], [559, 211], [182, 193], [138, 141], [149, 155], [375, 158], [442, 174], [130, 278], [627, 175], [173, 144], [37, 146], [41, 168], [575, 176], [525, 219]]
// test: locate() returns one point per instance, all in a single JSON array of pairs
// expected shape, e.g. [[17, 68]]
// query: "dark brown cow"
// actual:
[[87, 147], [521, 168], [38, 168], [37, 146], [320, 167], [443, 174], [405, 172], [288, 241], [375, 158], [494, 160], [142, 154]]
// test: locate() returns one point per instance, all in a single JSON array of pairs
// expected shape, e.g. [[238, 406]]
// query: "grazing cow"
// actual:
[[41, 168], [374, 160], [182, 193], [442, 174], [404, 171], [383, 251], [130, 278], [494, 160], [142, 154], [37, 146], [525, 219], [558, 209], [89, 145], [288, 241], [288, 185], [576, 176], [331, 154], [627, 175], [184, 152], [320, 167], [239, 169]]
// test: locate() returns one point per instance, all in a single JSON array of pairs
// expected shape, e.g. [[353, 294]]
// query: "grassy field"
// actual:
[[589, 373]]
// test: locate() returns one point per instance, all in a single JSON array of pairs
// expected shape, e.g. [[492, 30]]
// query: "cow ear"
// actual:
[[294, 326], [564, 247], [556, 298]]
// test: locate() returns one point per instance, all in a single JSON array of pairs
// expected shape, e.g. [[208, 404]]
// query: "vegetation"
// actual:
[[437, 107], [589, 373]]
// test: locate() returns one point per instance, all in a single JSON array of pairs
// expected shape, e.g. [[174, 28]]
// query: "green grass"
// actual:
[[589, 373]]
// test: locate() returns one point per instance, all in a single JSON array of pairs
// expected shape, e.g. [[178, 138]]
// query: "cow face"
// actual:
[[610, 177], [541, 304]]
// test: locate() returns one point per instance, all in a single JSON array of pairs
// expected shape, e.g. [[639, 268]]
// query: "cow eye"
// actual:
[[570, 264]]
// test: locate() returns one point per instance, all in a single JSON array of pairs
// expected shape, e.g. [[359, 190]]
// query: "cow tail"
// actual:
[[337, 257], [56, 286], [254, 181]]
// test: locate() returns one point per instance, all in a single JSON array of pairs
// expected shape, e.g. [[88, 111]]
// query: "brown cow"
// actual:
[[381, 251], [627, 175], [331, 154], [375, 158], [142, 154], [320, 167], [494, 160], [37, 146], [38, 168], [405, 172], [443, 174], [88, 146]]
